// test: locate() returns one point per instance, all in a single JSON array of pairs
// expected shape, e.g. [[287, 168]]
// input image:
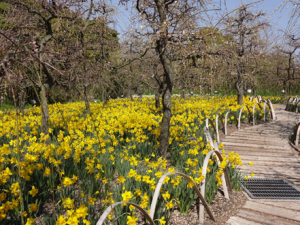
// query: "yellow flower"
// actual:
[[81, 212], [91, 201], [61, 220], [144, 204], [252, 174], [33, 207], [138, 192], [47, 172], [2, 196], [131, 173], [67, 181], [170, 205], [246, 177], [34, 191], [121, 179], [127, 195], [30, 221], [190, 185], [138, 178], [86, 222], [162, 221], [68, 203], [146, 179], [158, 174], [166, 195], [73, 220], [131, 220], [251, 163]]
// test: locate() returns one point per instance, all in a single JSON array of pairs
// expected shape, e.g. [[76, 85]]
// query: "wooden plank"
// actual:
[[270, 163], [230, 148], [269, 158], [240, 221], [257, 133], [253, 145], [292, 205], [264, 218], [271, 210], [278, 142], [273, 134], [263, 153]]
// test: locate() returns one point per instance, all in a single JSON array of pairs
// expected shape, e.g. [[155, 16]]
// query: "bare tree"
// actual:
[[242, 27]]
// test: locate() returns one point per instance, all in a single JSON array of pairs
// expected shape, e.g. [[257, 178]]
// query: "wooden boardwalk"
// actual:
[[267, 146]]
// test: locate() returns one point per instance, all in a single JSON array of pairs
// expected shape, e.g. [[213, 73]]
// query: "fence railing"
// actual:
[[267, 103]]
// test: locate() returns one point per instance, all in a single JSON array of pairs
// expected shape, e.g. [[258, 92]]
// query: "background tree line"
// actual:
[[62, 50]]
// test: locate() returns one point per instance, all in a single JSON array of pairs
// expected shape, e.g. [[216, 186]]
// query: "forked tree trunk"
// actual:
[[161, 45], [86, 100], [45, 111]]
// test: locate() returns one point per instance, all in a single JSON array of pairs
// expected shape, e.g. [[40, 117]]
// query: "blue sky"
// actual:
[[278, 18]]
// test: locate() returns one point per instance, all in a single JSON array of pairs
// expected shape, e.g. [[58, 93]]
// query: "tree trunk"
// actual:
[[103, 99], [285, 93], [22, 101], [131, 97], [45, 112], [161, 49], [182, 93], [157, 102], [246, 89], [239, 89], [165, 123], [86, 100]]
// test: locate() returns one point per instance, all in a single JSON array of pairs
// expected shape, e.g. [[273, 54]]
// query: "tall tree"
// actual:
[[242, 26], [168, 26]]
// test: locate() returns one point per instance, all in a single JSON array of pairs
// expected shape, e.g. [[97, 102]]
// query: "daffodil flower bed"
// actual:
[[88, 162]]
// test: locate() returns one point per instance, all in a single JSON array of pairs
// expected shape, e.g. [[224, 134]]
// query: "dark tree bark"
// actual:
[[86, 100], [239, 86], [161, 44], [157, 101], [22, 100], [45, 111], [182, 93]]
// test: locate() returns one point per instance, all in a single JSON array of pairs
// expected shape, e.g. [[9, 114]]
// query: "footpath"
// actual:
[[267, 146]]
